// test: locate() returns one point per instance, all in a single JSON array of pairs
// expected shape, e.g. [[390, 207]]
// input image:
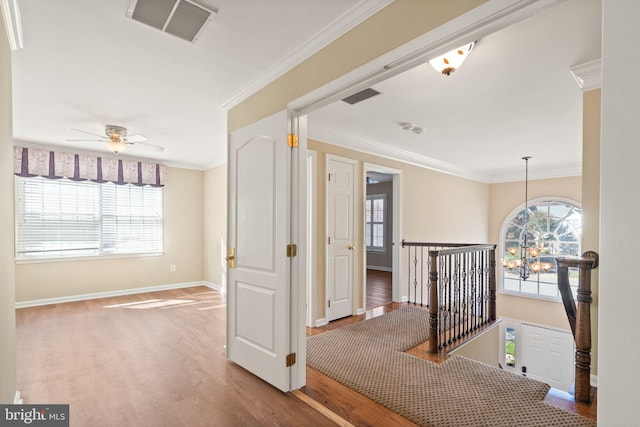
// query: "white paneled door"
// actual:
[[258, 305], [547, 356], [341, 244]]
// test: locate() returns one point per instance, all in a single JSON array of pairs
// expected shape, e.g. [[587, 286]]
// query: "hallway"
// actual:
[[378, 288]]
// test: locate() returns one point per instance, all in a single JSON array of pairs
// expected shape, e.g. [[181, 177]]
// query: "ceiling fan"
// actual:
[[117, 139]]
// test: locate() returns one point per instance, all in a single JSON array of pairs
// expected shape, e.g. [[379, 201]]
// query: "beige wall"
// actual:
[[503, 199], [431, 210], [484, 348], [183, 247], [215, 225], [591, 202], [396, 24], [7, 280]]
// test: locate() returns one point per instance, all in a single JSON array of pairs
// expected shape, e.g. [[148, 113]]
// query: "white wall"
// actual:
[[618, 378]]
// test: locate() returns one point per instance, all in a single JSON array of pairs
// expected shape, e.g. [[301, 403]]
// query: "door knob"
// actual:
[[351, 247]]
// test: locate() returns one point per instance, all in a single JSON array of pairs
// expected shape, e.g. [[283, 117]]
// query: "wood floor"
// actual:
[[154, 359], [378, 288], [158, 359]]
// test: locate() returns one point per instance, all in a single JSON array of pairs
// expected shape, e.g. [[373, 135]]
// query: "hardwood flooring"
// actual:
[[153, 359], [378, 288], [158, 359]]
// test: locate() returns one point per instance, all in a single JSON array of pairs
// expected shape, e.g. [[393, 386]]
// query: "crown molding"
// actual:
[[348, 20], [588, 76], [12, 22], [341, 138]]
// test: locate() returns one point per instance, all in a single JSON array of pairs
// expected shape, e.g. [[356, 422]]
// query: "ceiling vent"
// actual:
[[361, 96], [182, 18]]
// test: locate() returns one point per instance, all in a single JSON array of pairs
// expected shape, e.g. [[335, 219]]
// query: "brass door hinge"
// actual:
[[291, 359], [292, 140], [231, 257], [292, 250], [329, 303]]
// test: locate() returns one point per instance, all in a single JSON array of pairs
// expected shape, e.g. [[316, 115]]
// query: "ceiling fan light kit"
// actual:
[[117, 139]]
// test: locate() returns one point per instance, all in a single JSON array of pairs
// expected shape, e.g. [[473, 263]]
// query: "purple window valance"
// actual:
[[28, 162]]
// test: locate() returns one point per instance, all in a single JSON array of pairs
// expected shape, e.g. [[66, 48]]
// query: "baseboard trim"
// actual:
[[360, 311], [17, 400], [404, 299], [106, 294], [215, 287], [321, 322], [378, 268], [594, 381]]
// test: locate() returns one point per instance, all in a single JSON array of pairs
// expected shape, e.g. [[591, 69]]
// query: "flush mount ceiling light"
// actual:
[[452, 60]]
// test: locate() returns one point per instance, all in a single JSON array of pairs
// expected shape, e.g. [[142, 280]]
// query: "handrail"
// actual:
[[580, 318], [443, 245], [464, 249]]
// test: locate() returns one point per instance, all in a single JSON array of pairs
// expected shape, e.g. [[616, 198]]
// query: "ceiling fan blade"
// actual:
[[84, 131], [136, 138], [152, 146], [86, 140]]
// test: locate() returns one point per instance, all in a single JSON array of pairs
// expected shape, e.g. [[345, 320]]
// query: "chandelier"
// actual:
[[529, 251]]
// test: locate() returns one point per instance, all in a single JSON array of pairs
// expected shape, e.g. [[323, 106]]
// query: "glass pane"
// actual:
[[367, 214], [510, 347], [367, 234], [378, 235], [378, 210]]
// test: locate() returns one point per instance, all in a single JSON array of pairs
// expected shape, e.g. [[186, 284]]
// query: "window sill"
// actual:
[[87, 258]]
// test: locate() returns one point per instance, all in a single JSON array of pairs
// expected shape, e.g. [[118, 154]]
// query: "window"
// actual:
[[58, 218], [510, 347], [375, 217], [556, 223]]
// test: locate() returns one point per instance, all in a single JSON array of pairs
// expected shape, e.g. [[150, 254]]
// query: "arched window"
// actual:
[[556, 223]]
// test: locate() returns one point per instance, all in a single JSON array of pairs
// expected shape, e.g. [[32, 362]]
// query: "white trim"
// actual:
[[378, 268], [340, 138], [588, 76], [312, 233], [215, 287], [105, 294], [360, 311], [16, 399], [404, 299], [12, 22], [321, 322], [594, 381], [347, 21]]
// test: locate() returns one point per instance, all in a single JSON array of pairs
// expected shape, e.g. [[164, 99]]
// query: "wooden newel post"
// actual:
[[583, 329], [580, 317], [492, 285], [434, 304]]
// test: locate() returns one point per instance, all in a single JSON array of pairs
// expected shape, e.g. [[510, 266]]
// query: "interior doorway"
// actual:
[[382, 231]]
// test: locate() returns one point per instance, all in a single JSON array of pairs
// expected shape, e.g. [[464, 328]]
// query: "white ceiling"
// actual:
[[84, 65], [514, 96]]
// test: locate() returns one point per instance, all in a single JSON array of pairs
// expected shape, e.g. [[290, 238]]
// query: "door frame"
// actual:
[[483, 20], [396, 231]]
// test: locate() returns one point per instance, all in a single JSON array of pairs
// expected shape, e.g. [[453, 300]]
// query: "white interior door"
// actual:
[[341, 248], [258, 306], [547, 356]]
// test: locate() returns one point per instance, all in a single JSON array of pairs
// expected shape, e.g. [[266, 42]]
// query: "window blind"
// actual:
[[64, 218]]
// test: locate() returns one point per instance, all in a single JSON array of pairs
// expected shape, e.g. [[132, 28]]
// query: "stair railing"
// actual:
[[580, 318], [460, 280]]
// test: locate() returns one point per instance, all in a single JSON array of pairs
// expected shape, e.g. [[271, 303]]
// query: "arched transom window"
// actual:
[[555, 223]]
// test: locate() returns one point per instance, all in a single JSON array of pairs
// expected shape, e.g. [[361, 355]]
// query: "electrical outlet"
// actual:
[[172, 268]]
